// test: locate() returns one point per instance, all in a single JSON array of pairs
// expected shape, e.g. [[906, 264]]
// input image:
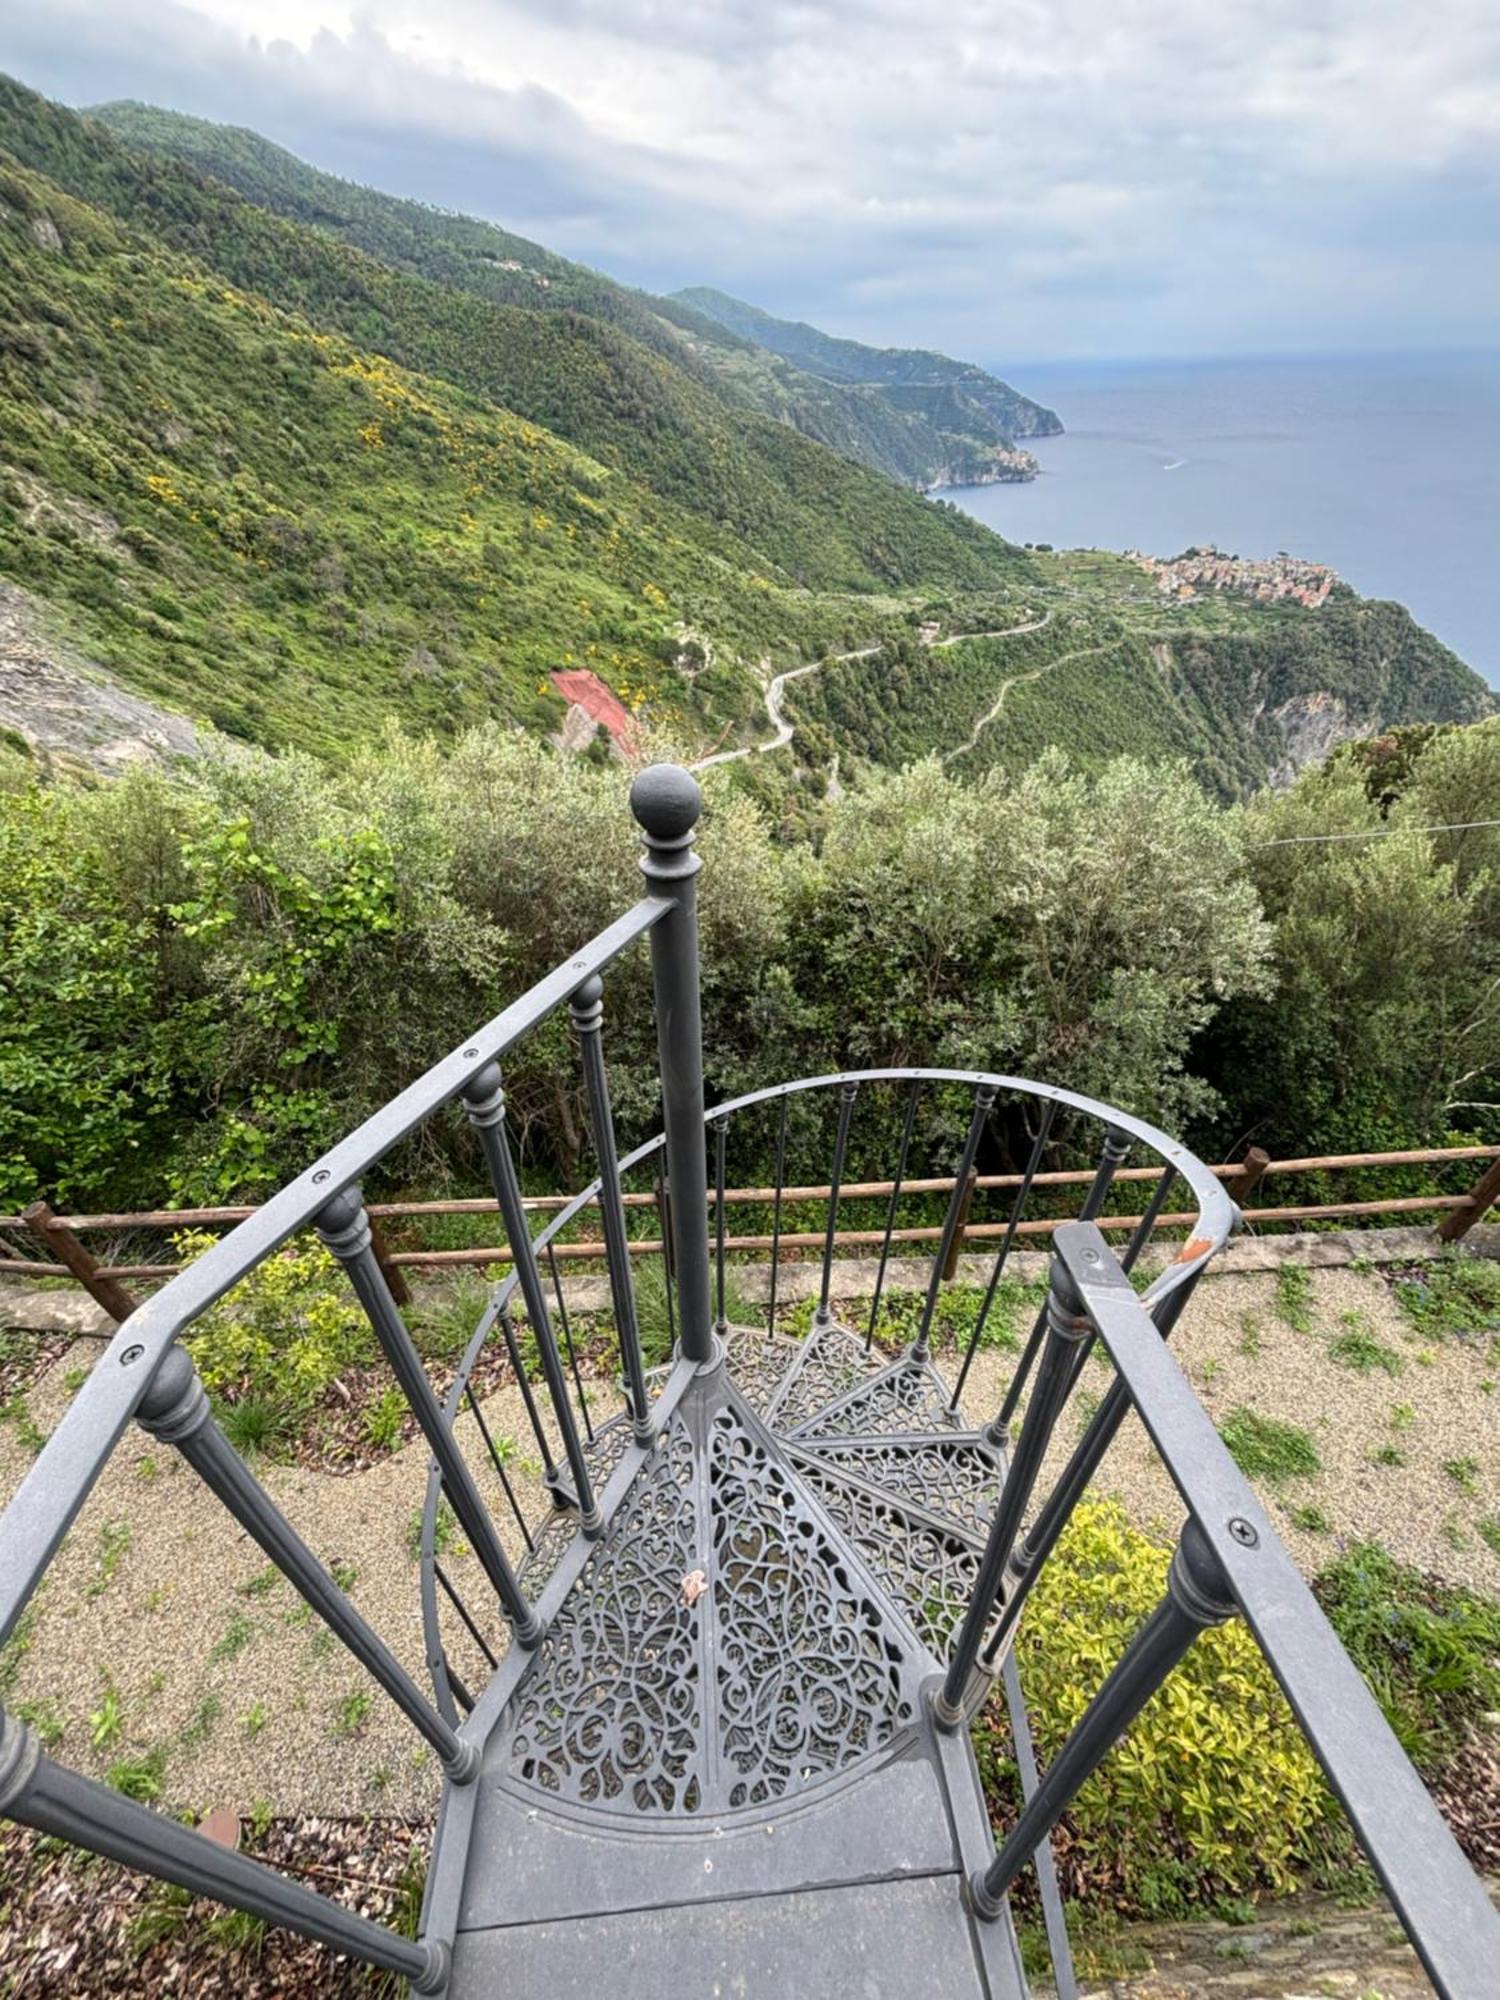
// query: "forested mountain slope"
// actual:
[[897, 437]]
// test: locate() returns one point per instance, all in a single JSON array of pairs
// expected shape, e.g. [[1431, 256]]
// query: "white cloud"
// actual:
[[1000, 176]]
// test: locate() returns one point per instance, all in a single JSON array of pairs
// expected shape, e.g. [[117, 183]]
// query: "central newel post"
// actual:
[[666, 802]]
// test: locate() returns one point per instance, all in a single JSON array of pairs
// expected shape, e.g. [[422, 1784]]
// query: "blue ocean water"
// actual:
[[1387, 468]]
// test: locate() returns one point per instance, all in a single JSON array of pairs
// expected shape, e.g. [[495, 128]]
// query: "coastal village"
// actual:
[[1271, 579]]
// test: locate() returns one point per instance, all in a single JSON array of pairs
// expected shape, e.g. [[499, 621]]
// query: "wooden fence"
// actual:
[[68, 1258]]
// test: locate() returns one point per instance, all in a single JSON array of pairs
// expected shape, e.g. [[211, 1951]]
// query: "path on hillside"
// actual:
[[997, 708], [777, 688]]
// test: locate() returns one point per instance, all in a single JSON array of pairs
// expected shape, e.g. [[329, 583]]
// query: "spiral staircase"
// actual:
[[721, 1750]]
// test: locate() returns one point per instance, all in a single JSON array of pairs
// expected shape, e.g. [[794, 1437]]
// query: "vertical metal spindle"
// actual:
[[984, 1098], [534, 1415], [1116, 1145], [721, 1141], [907, 1127], [1034, 1547], [666, 802], [1141, 1234], [499, 1464], [175, 1411], [668, 1269], [1017, 1209], [42, 1794], [1067, 1327], [464, 1613], [588, 1020], [1197, 1596], [343, 1230], [847, 1094], [484, 1100], [567, 1336], [776, 1210]]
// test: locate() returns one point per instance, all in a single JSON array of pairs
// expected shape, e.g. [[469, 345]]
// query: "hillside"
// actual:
[[875, 429], [919, 375]]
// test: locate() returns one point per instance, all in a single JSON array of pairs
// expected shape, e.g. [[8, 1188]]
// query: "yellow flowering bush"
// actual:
[[284, 1332], [1213, 1791]]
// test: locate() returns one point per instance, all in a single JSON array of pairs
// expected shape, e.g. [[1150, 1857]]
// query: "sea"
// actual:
[[1387, 468]]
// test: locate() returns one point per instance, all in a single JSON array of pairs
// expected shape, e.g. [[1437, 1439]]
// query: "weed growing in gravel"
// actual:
[[1403, 1416], [1357, 1348], [1489, 1532], [74, 1379], [42, 1716], [384, 1419], [140, 1778], [254, 1720], [114, 1540], [17, 1413], [1387, 1454], [1312, 1520], [1294, 1297], [107, 1721], [351, 1714], [1249, 1342], [235, 1637], [445, 1538], [196, 1733], [1453, 1534], [1266, 1448], [1464, 1472], [146, 1468], [261, 1584], [1455, 1297]]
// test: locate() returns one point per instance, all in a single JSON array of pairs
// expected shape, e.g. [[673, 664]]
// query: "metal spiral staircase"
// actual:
[[704, 1726]]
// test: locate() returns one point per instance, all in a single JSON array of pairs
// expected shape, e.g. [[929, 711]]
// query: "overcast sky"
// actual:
[[1007, 179]]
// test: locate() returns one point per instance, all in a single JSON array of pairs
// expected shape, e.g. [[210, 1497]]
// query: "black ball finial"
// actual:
[[666, 802]]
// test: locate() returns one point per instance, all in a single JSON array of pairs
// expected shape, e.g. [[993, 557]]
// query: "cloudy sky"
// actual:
[[1012, 179]]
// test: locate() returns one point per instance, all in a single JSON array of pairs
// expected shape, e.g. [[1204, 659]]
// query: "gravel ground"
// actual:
[[244, 1700]]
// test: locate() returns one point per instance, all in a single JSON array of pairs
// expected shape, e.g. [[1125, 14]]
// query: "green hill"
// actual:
[[898, 438], [906, 369]]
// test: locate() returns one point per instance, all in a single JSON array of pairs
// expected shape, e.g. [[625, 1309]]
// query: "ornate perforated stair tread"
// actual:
[[904, 1397], [827, 1365], [758, 1361], [956, 1476], [651, 1694]]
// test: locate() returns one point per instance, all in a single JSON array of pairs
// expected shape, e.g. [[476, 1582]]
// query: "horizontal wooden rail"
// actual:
[[104, 1282]]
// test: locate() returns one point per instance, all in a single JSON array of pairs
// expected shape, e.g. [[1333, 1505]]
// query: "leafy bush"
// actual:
[[1213, 1791], [282, 1334], [1429, 1650]]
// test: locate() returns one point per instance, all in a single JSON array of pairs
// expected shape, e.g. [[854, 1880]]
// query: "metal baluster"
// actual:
[[1042, 1537], [1141, 1234], [567, 1334], [588, 1020], [344, 1230], [45, 1795], [484, 1100], [907, 1128], [175, 1411], [847, 1094], [499, 1464], [776, 1210], [666, 802], [668, 1269], [1116, 1145], [1197, 1596], [538, 1428], [1017, 1208], [984, 1098], [721, 1142], [1067, 1328], [463, 1611]]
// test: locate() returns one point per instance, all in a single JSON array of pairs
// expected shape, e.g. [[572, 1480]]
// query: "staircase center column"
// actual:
[[666, 802]]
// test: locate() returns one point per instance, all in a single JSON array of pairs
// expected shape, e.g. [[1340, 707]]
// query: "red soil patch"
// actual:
[[580, 685]]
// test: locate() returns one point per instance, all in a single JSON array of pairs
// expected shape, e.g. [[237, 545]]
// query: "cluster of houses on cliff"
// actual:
[[1272, 579]]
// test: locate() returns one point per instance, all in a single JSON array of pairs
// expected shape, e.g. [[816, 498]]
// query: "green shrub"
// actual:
[[283, 1333], [1429, 1650], [1213, 1791], [1266, 1448]]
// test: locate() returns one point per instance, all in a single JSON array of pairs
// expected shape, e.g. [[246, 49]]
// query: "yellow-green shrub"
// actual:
[[1213, 1791], [284, 1332]]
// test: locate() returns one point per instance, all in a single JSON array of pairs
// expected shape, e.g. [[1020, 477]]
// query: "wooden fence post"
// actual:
[[950, 1262], [1248, 1179], [395, 1278], [1486, 1192], [51, 1231]]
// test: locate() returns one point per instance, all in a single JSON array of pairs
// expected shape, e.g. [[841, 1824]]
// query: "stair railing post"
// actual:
[[53, 1233], [175, 1411], [36, 1792], [1197, 1596], [343, 1229], [666, 803], [1067, 1327], [587, 1007], [1459, 1221]]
